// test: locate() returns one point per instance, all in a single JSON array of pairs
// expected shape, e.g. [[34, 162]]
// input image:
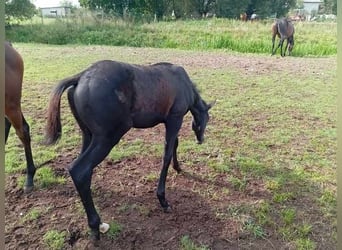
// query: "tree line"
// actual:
[[192, 8], [159, 9]]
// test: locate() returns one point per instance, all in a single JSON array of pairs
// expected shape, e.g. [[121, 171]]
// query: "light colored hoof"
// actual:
[[104, 227]]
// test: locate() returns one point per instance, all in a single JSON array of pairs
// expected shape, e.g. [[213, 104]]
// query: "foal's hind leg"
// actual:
[[23, 131], [81, 173], [86, 134]]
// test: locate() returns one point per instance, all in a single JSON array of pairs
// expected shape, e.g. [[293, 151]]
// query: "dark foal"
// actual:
[[108, 99], [14, 71], [284, 29]]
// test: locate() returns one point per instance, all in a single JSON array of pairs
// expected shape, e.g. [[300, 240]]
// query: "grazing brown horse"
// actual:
[[108, 99], [284, 29], [243, 17], [14, 71]]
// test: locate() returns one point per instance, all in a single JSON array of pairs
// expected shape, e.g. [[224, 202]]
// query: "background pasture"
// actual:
[[263, 179], [311, 38]]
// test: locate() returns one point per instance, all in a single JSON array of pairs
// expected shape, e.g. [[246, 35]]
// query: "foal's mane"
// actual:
[[199, 103]]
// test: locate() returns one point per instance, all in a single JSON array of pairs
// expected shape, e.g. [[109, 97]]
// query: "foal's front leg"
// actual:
[[172, 126], [175, 160]]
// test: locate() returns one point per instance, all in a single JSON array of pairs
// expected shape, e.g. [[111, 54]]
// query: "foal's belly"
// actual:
[[147, 119]]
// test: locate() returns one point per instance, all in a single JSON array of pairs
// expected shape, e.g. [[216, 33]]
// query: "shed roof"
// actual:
[[312, 1]]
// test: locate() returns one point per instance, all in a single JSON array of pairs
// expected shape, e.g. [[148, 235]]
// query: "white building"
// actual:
[[311, 5], [55, 11]]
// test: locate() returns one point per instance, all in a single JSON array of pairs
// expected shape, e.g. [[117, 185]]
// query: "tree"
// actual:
[[19, 10], [280, 7], [231, 8], [204, 6], [263, 8], [330, 7]]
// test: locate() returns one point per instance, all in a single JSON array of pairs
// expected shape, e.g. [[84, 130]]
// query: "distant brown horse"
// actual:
[[243, 17], [284, 29], [14, 71]]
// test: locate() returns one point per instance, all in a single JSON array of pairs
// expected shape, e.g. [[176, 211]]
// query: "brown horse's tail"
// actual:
[[53, 130]]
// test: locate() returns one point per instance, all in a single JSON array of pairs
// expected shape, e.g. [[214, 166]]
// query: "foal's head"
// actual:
[[200, 120]]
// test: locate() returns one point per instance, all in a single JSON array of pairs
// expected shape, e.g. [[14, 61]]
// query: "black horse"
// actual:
[[284, 29], [108, 99]]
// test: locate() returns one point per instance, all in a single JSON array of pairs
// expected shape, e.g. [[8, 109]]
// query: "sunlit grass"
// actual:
[[311, 39]]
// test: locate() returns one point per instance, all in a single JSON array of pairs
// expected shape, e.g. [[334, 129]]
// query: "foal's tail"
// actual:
[[53, 129]]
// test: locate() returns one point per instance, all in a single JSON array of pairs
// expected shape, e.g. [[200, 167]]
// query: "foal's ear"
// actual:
[[211, 104]]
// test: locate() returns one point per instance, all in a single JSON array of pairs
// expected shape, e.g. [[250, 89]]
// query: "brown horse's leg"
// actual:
[[273, 41], [7, 128], [281, 43], [22, 129], [286, 47]]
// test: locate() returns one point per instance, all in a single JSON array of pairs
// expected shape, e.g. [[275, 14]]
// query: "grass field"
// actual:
[[270, 144], [311, 38]]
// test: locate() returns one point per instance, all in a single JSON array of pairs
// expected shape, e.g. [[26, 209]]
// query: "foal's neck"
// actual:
[[197, 107]]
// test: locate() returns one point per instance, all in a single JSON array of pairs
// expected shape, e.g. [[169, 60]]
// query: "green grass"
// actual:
[[114, 230], [32, 215], [311, 39], [54, 239], [188, 244], [44, 178]]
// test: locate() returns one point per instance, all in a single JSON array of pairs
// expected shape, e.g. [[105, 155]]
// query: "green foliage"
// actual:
[[114, 230], [288, 215], [255, 229], [45, 178], [231, 8], [238, 184], [54, 239], [19, 10], [32, 215], [310, 39], [188, 244], [191, 8], [305, 244]]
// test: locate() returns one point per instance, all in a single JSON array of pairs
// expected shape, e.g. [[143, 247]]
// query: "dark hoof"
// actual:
[[93, 245], [94, 239], [178, 169], [167, 209], [28, 189]]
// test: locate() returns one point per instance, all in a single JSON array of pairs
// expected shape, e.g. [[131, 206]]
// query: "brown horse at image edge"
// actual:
[[14, 72]]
